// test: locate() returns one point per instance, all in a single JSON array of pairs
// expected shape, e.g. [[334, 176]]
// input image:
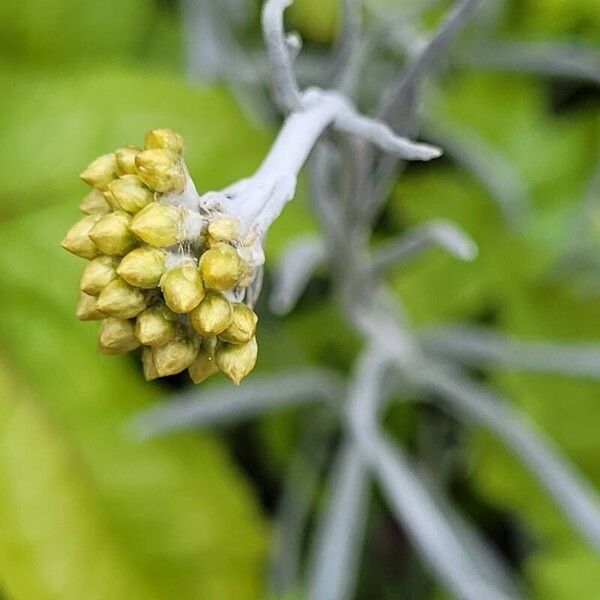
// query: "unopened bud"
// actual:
[[158, 225], [150, 371], [143, 267], [212, 315], [78, 242], [223, 229], [117, 335], [94, 204], [236, 360], [175, 356], [156, 325], [164, 138], [242, 326], [161, 170], [87, 309], [98, 274], [101, 171], [112, 235], [129, 193], [221, 267], [203, 366], [119, 299], [126, 160], [182, 288]]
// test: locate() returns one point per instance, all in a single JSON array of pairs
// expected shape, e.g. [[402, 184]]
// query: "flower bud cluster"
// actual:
[[165, 273]]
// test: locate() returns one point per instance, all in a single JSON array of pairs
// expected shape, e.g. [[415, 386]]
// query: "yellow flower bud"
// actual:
[[129, 193], [126, 160], [119, 299], [164, 138], [175, 356], [143, 267], [78, 242], [182, 288], [111, 234], [161, 170], [98, 274], [158, 225], [203, 366], [101, 171], [242, 326], [156, 325], [94, 204], [117, 335], [223, 229], [221, 267], [212, 315], [87, 309], [236, 360], [150, 371]]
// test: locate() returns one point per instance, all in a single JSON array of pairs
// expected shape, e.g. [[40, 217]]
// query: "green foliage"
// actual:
[[510, 284], [85, 510]]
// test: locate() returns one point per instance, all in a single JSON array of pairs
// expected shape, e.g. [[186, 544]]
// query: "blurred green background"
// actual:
[[87, 512]]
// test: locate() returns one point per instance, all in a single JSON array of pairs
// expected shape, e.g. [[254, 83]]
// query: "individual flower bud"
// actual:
[[117, 335], [161, 170], [212, 315], [98, 274], [94, 204], [164, 138], [78, 242], [111, 234], [129, 193], [182, 288], [87, 309], [143, 267], [158, 225], [126, 160], [203, 366], [175, 356], [221, 267], [156, 325], [242, 326], [119, 299], [236, 360], [150, 371], [101, 172], [223, 229]]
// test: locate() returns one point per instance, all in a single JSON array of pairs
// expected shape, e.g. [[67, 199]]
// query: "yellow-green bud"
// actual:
[[242, 326], [126, 160], [117, 335], [221, 267], [223, 229], [98, 274], [164, 138], [212, 315], [87, 309], [111, 234], [150, 371], [161, 170], [119, 299], [203, 366], [158, 225], [143, 267], [78, 241], [101, 171], [129, 193], [94, 204], [236, 360], [182, 288], [156, 325], [175, 356]]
